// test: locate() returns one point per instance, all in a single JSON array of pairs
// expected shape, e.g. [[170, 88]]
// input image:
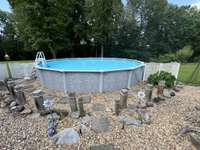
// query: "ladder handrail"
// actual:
[[40, 58]]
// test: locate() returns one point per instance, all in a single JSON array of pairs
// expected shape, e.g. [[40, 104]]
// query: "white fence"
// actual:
[[17, 70], [21, 70], [151, 68], [3, 71]]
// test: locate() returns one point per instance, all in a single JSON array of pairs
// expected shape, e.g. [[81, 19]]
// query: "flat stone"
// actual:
[[98, 107], [129, 120], [37, 92], [100, 124], [102, 147]]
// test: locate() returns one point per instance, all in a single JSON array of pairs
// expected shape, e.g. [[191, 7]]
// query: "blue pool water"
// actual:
[[91, 64]]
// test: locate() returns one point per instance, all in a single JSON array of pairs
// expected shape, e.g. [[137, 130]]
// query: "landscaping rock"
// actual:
[[66, 136], [37, 92], [129, 120], [53, 116], [172, 94], [102, 147], [14, 103]]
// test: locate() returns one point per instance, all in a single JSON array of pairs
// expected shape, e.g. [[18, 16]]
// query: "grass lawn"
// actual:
[[186, 71]]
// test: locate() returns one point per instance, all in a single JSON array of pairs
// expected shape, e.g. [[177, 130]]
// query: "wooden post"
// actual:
[[20, 97], [72, 102], [148, 92], [80, 107], [123, 98], [11, 85], [117, 107], [38, 99]]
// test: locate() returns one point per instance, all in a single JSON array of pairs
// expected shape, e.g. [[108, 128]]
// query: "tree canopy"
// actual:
[[146, 30]]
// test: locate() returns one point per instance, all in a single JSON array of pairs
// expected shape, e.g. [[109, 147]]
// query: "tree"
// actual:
[[100, 19], [48, 24], [9, 41]]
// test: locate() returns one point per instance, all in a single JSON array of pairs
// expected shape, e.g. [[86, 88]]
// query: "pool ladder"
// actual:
[[40, 58]]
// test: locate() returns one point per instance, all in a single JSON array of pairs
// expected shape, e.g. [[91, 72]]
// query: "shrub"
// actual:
[[184, 54], [163, 75], [181, 55], [167, 57]]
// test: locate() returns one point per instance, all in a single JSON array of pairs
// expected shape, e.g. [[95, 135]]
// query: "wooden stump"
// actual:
[[80, 107], [117, 107], [20, 97], [72, 102], [39, 100], [148, 92], [123, 98], [11, 85]]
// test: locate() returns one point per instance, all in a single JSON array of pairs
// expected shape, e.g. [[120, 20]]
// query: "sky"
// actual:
[[5, 6]]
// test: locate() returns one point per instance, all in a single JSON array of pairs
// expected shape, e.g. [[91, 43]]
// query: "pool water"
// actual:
[[92, 64]]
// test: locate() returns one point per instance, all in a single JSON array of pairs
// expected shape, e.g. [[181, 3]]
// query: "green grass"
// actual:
[[185, 73]]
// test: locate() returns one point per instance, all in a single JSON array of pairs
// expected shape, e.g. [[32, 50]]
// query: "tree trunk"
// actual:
[[102, 50], [53, 53]]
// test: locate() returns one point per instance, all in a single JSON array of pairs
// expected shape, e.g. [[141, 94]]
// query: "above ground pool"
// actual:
[[85, 75]]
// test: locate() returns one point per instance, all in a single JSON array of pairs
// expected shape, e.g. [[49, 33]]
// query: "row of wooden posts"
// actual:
[[16, 92], [75, 105]]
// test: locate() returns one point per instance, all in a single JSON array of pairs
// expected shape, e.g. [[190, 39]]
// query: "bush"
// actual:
[[163, 75], [181, 55], [184, 54], [167, 57]]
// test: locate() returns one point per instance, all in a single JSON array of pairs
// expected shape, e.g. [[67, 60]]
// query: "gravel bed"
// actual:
[[168, 117]]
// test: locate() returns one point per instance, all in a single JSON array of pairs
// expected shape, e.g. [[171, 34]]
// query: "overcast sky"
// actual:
[[5, 6]]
